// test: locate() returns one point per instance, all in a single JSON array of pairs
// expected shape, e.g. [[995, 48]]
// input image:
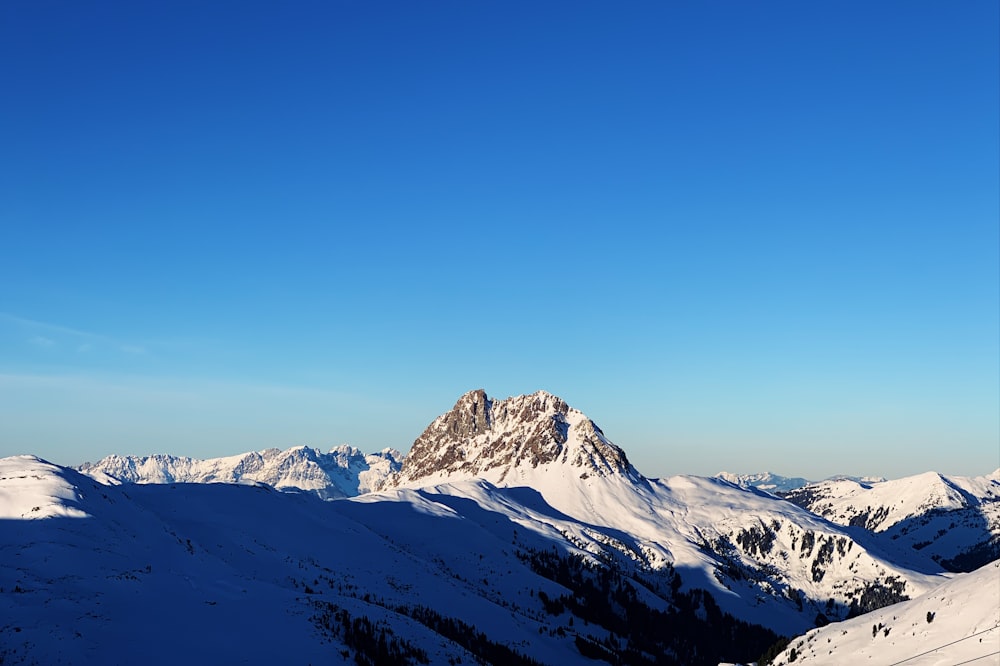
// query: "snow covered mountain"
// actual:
[[514, 532], [343, 472], [764, 558], [96, 574], [766, 481], [446, 574], [955, 623], [954, 520]]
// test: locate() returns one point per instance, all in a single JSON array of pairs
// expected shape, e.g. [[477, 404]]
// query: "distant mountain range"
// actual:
[[344, 471], [772, 483], [781, 485], [514, 531]]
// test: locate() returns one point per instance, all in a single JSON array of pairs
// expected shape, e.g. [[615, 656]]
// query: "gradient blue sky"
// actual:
[[741, 236]]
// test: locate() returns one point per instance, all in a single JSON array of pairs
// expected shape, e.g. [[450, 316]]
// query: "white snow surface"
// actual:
[[31, 488], [957, 622], [240, 574], [224, 561]]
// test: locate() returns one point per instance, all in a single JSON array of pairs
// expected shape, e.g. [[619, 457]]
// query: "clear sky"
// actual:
[[739, 236]]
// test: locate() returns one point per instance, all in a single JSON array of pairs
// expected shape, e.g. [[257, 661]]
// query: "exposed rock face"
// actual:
[[494, 439]]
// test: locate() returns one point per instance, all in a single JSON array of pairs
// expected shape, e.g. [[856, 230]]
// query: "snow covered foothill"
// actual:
[[226, 568], [880, 506], [953, 520], [31, 488], [956, 623]]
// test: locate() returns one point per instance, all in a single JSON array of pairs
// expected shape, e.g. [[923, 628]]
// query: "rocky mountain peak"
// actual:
[[470, 416], [501, 439]]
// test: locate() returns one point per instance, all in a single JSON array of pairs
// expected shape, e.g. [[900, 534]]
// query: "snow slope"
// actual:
[[955, 623], [112, 570], [245, 574], [880, 506], [31, 489], [954, 520], [238, 574], [764, 560], [515, 519], [342, 472]]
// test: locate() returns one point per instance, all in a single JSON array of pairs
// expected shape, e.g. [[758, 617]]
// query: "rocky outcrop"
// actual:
[[495, 439]]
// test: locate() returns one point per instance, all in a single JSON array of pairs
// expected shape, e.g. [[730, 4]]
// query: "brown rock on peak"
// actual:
[[481, 437]]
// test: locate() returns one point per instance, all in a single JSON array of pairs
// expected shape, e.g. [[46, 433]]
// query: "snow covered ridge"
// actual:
[[955, 623], [952, 519], [880, 506], [539, 441], [532, 570], [31, 488], [342, 472], [519, 512]]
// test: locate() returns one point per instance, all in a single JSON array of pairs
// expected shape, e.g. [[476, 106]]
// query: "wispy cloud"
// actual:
[[47, 334], [42, 341], [190, 391], [51, 328]]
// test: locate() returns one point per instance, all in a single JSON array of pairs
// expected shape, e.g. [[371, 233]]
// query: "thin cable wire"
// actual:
[[976, 659], [978, 633]]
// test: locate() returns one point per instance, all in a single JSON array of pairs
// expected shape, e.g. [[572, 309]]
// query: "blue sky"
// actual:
[[742, 236]]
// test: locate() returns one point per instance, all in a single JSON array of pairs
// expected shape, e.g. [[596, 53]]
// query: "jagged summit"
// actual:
[[506, 441]]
